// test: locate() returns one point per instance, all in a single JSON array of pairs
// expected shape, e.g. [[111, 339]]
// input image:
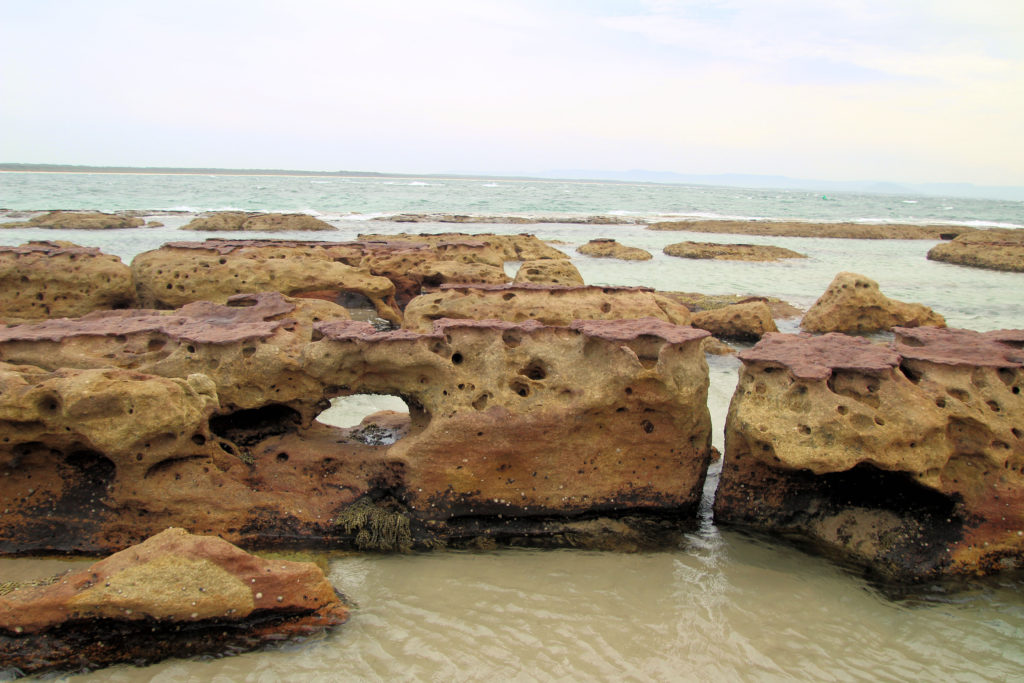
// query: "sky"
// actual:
[[883, 90]]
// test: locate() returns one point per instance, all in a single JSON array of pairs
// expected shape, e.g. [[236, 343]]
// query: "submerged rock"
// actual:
[[906, 459], [78, 220], [548, 272], [174, 595], [516, 432], [854, 303], [730, 252], [257, 222], [996, 249], [609, 248], [41, 280], [548, 304]]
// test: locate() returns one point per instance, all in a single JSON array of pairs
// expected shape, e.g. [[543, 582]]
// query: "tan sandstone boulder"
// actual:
[[748, 321], [854, 303], [257, 222], [208, 423], [548, 272], [906, 458], [996, 249], [174, 595], [548, 304], [78, 220], [57, 279], [609, 248], [181, 272], [521, 247]]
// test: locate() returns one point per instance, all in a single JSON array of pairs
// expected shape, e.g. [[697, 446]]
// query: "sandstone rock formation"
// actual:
[[730, 252], [548, 272], [78, 220], [861, 231], [174, 595], [743, 322], [509, 220], [609, 248], [548, 304], [53, 279], [996, 249], [907, 459], [259, 222], [854, 303], [182, 272], [114, 426], [521, 247]]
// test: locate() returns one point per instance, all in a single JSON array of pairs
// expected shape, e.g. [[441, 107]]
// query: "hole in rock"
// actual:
[[246, 428], [520, 388], [457, 358], [372, 419], [535, 370]]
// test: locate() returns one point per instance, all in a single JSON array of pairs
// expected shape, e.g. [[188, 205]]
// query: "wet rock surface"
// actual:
[[730, 252], [609, 248], [204, 418], [995, 249], [549, 304], [173, 595], [854, 303], [907, 459], [41, 280]]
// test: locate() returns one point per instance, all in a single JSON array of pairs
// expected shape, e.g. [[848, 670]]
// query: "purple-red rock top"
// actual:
[[816, 357], [48, 248], [245, 316], [628, 330], [1000, 348]]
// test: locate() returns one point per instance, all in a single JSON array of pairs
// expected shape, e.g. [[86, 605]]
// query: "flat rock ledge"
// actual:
[[996, 249], [173, 595], [508, 219], [730, 252], [257, 222], [78, 220], [609, 248], [863, 231], [118, 424], [906, 459]]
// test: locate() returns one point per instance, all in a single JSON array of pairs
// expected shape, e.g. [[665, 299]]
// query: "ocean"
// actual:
[[722, 606]]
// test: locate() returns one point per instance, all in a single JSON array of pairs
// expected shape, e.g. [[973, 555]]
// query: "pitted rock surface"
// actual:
[[906, 458], [730, 252], [609, 248], [219, 436], [40, 280], [78, 220], [548, 272], [854, 303], [521, 247], [551, 305], [257, 222], [747, 321], [995, 249]]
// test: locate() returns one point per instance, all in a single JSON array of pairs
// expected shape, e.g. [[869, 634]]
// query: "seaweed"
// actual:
[[378, 526]]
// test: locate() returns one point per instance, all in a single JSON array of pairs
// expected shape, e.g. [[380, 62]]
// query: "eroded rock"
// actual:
[[907, 459], [41, 280], [257, 222], [182, 272], [609, 248], [748, 321], [548, 304], [173, 595], [548, 272], [862, 231], [521, 247], [515, 431], [730, 252], [854, 303], [996, 249]]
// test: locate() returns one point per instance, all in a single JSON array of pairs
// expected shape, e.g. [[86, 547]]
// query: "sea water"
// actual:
[[721, 606]]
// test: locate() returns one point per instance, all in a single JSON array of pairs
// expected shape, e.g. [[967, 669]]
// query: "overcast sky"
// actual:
[[893, 90]]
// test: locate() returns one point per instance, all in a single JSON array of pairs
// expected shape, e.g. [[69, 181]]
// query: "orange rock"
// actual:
[[854, 303]]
